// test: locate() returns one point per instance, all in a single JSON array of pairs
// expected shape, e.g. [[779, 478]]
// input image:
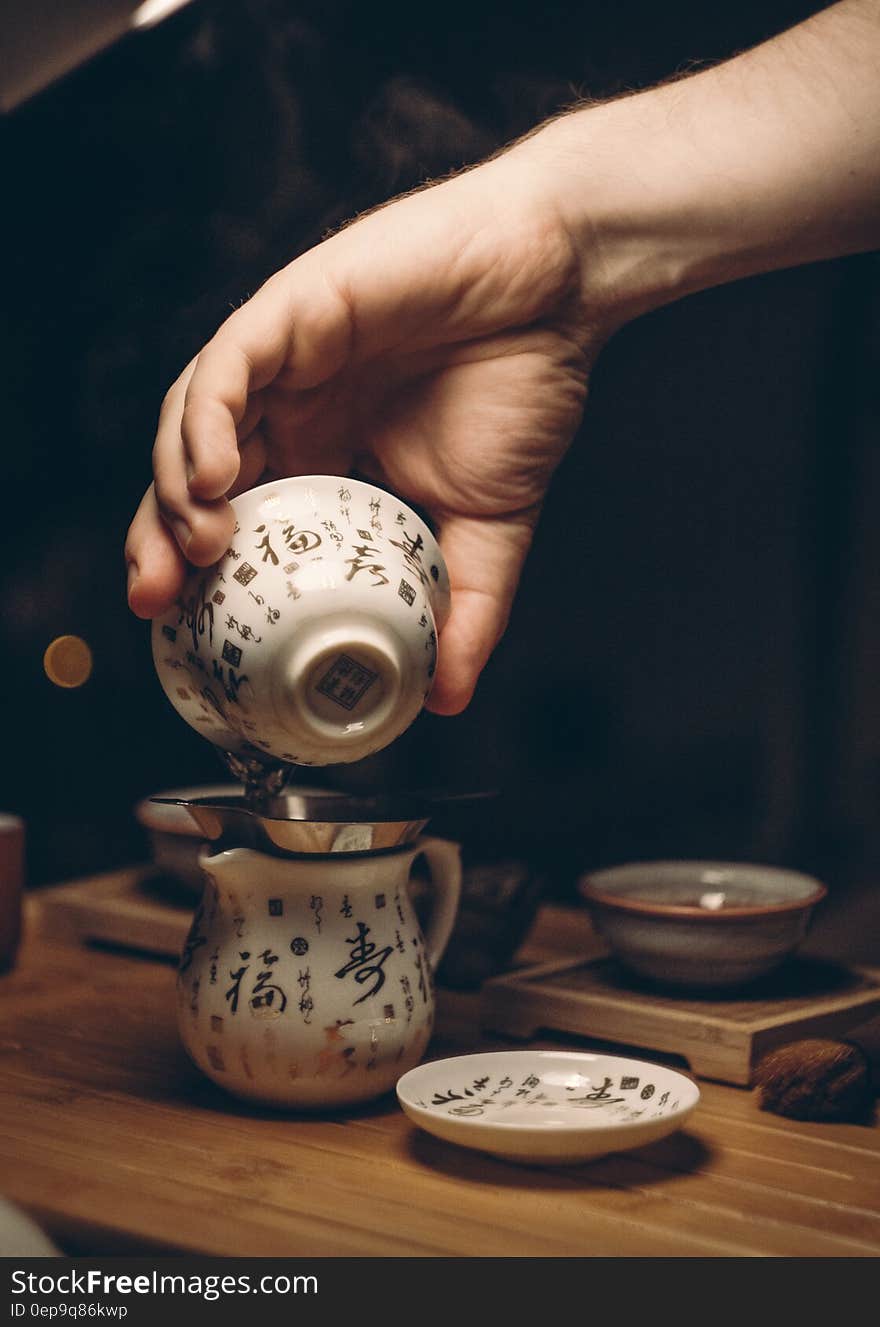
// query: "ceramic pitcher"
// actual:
[[307, 982]]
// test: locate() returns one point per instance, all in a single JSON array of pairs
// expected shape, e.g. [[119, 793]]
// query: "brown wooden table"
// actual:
[[116, 1144]]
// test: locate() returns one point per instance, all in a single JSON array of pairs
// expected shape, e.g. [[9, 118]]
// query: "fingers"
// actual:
[[252, 467], [202, 528], [156, 566], [216, 407], [218, 411], [485, 559], [155, 563], [294, 332], [192, 481], [213, 469]]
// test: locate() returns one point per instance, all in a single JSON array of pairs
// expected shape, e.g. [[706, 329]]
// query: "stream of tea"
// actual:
[[261, 777]]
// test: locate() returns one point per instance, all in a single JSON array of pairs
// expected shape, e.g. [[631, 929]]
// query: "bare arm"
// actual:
[[769, 160]]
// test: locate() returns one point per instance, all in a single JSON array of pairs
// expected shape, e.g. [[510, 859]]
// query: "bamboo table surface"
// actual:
[[116, 1144]]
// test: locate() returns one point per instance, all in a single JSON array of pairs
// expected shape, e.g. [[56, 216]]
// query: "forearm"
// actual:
[[769, 160]]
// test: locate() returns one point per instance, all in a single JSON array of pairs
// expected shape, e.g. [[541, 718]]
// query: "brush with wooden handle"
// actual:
[[819, 1079]]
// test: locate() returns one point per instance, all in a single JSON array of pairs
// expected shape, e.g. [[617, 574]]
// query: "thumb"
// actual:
[[484, 556]]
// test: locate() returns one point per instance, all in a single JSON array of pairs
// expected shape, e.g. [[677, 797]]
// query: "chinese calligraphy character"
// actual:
[[412, 554], [230, 682], [346, 681], [333, 532], [265, 544], [300, 541], [194, 940], [245, 574], [231, 653], [272, 614], [237, 977], [246, 632], [424, 980], [408, 997], [364, 560], [600, 1096], [316, 903], [263, 1001], [306, 1002], [198, 613], [365, 961]]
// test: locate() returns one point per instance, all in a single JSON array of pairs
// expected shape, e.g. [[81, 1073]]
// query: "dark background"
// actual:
[[690, 667]]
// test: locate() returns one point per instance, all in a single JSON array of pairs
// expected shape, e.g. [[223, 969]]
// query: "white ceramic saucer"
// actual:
[[547, 1107]]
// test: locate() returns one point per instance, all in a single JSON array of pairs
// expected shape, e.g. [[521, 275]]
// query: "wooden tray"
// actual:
[[719, 1038], [135, 908]]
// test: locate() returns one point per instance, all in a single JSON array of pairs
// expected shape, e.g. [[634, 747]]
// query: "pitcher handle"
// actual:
[[444, 865]]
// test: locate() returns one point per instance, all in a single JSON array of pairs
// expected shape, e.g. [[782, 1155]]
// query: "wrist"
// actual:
[[656, 205], [619, 186], [769, 160]]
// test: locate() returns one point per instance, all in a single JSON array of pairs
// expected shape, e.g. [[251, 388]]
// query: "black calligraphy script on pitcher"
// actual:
[[365, 961]]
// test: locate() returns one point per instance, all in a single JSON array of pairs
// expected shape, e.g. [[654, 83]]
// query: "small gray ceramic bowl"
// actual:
[[701, 924], [174, 837]]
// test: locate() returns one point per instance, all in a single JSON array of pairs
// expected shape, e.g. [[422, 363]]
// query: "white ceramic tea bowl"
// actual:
[[313, 641], [547, 1107], [701, 924]]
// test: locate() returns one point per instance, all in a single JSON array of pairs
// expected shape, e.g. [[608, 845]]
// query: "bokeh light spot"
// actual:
[[68, 661]]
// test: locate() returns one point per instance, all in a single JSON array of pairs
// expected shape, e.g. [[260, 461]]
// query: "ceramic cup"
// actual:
[[314, 639], [695, 924]]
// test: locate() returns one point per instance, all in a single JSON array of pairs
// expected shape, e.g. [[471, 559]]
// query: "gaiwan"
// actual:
[[313, 640]]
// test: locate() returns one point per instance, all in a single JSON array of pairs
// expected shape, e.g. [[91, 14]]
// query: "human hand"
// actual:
[[442, 344], [438, 346]]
